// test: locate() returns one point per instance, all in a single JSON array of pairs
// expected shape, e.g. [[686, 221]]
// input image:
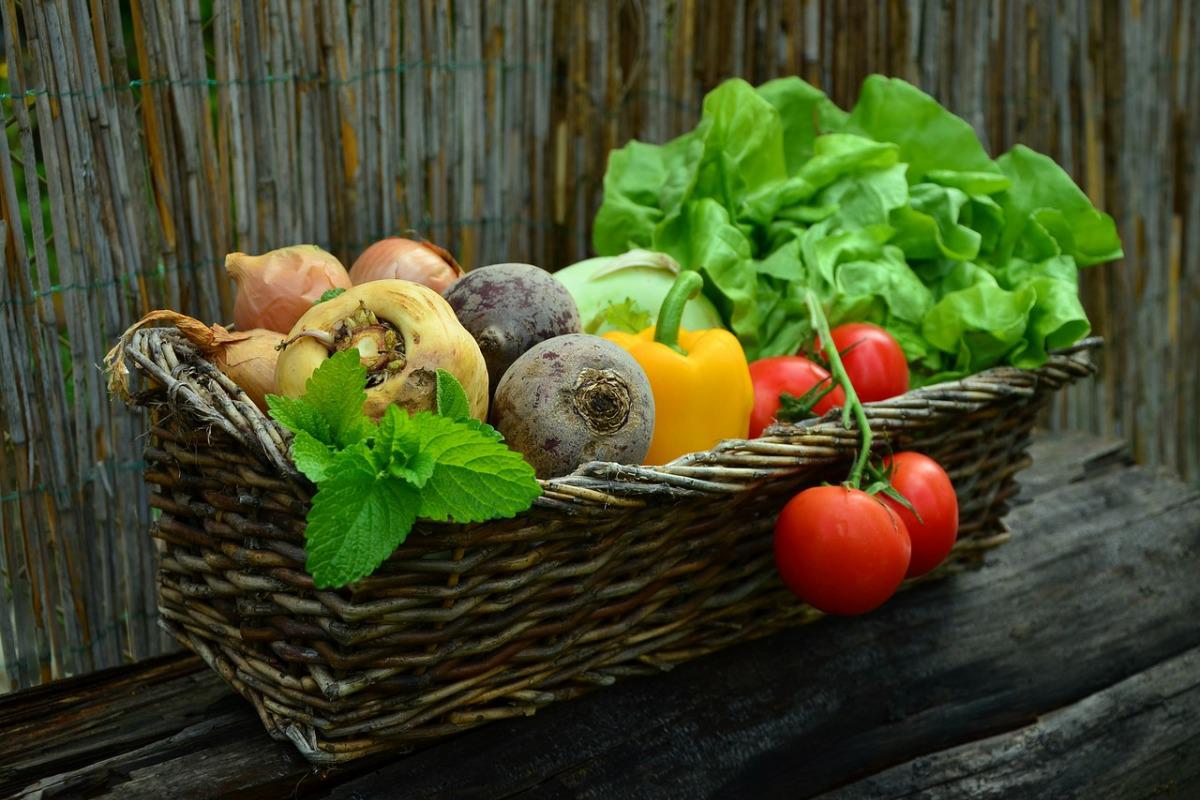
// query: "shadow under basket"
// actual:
[[615, 571]]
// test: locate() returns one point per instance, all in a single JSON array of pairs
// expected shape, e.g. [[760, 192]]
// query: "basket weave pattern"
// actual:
[[615, 571]]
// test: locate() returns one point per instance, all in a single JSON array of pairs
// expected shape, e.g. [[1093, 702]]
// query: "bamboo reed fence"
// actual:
[[145, 140]]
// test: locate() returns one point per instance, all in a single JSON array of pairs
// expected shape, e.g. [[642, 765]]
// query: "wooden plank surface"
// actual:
[[1138, 738], [157, 137], [1071, 661]]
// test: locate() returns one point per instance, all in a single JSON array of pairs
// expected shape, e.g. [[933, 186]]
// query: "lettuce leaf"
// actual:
[[892, 212], [1043, 200], [930, 138]]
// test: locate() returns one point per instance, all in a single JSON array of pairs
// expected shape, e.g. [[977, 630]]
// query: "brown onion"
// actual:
[[276, 288], [406, 260], [250, 363], [248, 358]]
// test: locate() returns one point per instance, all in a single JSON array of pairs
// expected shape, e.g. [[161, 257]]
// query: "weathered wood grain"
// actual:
[[157, 700], [1069, 457], [1078, 637], [1139, 738], [486, 125]]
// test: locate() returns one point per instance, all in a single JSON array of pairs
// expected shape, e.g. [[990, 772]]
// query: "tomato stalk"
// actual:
[[853, 405]]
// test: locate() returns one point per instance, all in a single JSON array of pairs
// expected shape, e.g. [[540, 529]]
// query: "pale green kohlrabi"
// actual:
[[623, 293]]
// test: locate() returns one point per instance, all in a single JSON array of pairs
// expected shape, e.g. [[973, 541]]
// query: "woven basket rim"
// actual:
[[732, 465]]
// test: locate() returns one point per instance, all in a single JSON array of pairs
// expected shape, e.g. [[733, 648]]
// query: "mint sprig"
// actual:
[[374, 480], [358, 517], [331, 408]]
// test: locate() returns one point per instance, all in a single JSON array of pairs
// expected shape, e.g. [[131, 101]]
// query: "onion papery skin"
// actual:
[[402, 259], [275, 289], [250, 363]]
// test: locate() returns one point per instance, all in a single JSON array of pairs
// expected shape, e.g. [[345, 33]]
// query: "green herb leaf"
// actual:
[[373, 481], [483, 429], [313, 458], [397, 448], [452, 403], [451, 399], [395, 439], [329, 294], [625, 316], [299, 416], [417, 471], [358, 517], [331, 408], [475, 478]]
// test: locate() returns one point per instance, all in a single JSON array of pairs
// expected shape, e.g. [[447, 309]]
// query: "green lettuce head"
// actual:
[[893, 213]]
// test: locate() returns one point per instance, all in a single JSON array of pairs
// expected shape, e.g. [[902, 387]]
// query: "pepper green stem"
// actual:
[[853, 404], [687, 285]]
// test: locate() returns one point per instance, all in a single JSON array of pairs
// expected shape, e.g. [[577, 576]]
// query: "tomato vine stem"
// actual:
[[853, 405]]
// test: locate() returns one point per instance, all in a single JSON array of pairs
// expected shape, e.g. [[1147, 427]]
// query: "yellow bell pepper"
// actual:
[[700, 379]]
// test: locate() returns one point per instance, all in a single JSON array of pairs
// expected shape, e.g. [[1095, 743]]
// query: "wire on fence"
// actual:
[[62, 492], [315, 78], [161, 270], [102, 635]]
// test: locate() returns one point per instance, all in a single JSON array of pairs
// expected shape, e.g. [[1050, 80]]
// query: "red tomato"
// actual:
[[792, 374], [840, 550], [876, 365], [925, 485]]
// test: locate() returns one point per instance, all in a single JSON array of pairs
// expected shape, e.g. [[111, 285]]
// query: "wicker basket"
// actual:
[[616, 570]]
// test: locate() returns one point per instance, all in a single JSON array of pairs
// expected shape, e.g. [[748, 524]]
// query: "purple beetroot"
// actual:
[[509, 308]]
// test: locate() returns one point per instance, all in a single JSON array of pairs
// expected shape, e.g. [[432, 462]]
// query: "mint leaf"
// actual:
[[452, 402], [397, 449], [312, 457], [476, 478], [358, 517], [331, 409], [625, 316], [417, 471], [329, 294], [395, 439], [451, 399], [483, 428], [299, 416]]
